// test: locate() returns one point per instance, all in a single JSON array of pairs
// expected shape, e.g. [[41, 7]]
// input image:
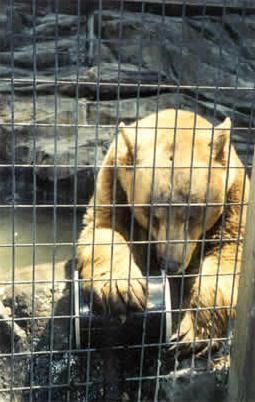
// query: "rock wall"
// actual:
[[66, 82]]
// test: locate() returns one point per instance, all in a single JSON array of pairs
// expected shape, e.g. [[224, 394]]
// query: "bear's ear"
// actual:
[[222, 141], [127, 156]]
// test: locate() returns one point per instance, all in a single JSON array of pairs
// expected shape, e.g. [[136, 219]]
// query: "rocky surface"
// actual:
[[36, 318], [58, 70]]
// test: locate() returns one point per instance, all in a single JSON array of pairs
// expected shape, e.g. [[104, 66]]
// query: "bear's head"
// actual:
[[174, 171]]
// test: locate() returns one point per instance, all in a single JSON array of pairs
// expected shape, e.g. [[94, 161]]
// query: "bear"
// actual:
[[171, 194]]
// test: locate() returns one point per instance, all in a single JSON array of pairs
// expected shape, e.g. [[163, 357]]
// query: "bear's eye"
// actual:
[[146, 212], [155, 221], [171, 158], [151, 216], [195, 214]]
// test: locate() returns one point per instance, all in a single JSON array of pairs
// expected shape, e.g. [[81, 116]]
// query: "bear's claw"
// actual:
[[118, 298], [186, 341]]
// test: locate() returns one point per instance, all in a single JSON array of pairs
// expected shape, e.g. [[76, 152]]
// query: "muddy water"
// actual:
[[30, 237]]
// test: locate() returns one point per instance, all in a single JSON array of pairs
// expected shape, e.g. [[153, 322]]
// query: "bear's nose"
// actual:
[[168, 264]]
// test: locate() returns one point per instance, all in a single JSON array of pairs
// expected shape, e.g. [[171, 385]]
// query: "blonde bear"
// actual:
[[169, 195]]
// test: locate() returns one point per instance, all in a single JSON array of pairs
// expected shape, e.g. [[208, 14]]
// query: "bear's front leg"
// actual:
[[212, 301], [112, 280]]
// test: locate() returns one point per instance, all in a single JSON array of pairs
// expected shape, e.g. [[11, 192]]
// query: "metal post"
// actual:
[[241, 387]]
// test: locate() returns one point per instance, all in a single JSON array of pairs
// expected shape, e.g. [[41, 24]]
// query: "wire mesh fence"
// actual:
[[127, 132]]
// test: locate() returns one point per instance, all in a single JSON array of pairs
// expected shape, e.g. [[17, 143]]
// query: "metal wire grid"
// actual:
[[14, 245]]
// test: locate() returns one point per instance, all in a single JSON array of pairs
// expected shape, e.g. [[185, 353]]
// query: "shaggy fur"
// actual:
[[168, 159]]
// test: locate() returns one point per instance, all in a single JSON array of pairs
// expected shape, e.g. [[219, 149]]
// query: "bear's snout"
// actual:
[[168, 264]]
